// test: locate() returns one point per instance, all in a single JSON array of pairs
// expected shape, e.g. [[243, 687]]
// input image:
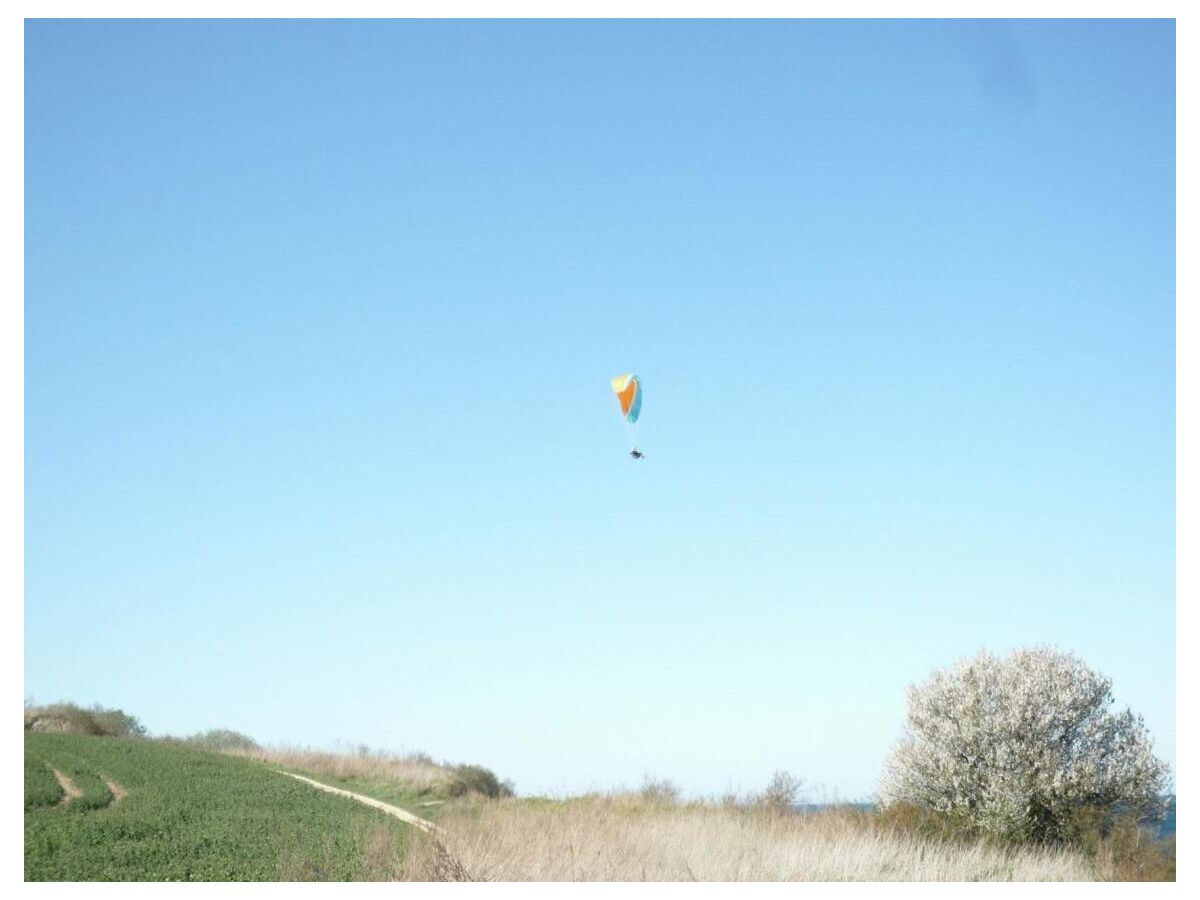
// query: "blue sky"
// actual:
[[319, 323]]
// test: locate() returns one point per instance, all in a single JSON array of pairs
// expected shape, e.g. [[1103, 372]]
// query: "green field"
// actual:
[[189, 815]]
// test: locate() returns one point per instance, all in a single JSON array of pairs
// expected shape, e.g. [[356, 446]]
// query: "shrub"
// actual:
[[73, 719], [1015, 747], [781, 794], [659, 791], [467, 779], [222, 740], [117, 723]]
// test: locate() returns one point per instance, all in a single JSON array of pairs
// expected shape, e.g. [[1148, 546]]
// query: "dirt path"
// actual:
[[70, 791], [402, 814], [118, 792]]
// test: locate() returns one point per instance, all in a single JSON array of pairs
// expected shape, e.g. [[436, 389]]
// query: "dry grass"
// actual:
[[415, 771], [619, 839], [1132, 853]]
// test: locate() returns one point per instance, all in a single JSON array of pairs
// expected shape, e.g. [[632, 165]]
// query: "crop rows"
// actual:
[[83, 776], [41, 787], [191, 815]]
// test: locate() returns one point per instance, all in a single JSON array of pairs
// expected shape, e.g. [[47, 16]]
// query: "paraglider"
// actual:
[[628, 390]]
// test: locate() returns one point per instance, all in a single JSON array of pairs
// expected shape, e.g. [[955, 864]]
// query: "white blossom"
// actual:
[[1011, 746]]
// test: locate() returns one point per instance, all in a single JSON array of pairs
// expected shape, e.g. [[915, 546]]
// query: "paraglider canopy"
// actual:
[[628, 391], [629, 394]]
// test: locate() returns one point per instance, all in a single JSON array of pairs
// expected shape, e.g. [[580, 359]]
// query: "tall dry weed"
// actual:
[[416, 771], [595, 839]]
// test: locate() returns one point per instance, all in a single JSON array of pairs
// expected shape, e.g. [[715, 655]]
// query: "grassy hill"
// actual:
[[140, 809], [157, 811]]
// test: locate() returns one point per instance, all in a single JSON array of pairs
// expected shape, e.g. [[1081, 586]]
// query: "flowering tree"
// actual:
[[1014, 746]]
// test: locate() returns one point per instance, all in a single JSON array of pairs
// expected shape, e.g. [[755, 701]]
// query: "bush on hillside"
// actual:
[[1016, 747], [468, 779], [73, 719], [222, 740]]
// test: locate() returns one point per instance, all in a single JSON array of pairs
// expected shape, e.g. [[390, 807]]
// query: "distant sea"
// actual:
[[1163, 828], [1166, 827]]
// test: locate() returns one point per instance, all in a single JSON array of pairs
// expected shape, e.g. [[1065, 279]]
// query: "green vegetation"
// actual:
[[393, 792], [189, 814], [41, 787], [95, 794]]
